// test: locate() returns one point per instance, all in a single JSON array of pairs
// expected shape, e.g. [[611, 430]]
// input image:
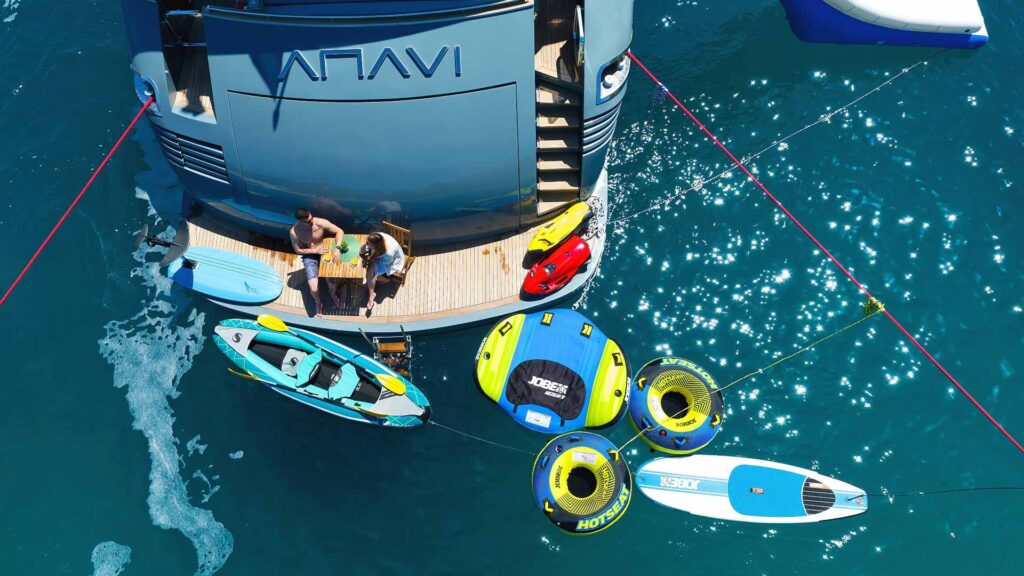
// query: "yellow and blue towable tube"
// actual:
[[554, 371], [677, 405], [581, 483]]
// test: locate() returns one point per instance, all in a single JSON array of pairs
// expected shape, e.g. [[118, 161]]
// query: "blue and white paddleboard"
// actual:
[[226, 276], [748, 490]]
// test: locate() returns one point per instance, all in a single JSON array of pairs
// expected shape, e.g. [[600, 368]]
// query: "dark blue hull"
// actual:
[[817, 21]]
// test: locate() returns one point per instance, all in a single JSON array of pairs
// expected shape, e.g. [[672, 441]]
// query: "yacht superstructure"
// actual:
[[468, 122]]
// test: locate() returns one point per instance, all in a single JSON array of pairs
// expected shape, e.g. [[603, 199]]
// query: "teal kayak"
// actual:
[[321, 373]]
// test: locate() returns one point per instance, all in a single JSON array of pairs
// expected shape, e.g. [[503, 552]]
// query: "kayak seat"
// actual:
[[291, 361], [308, 368], [348, 378], [288, 360], [365, 391], [274, 355]]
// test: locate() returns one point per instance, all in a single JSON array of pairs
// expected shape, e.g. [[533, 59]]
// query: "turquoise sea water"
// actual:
[[126, 443]]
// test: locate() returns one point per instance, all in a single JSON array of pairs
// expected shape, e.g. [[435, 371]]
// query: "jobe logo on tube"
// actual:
[[553, 389]]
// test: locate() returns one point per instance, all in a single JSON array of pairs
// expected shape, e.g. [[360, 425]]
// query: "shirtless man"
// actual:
[[307, 239]]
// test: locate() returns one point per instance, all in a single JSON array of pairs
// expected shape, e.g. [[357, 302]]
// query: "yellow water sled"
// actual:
[[553, 233]]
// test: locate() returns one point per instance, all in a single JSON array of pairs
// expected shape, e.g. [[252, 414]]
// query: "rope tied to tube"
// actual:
[[835, 261], [869, 312], [871, 308], [479, 439]]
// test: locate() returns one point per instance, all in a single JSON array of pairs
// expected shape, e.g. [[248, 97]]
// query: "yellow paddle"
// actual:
[[272, 323], [247, 376], [391, 383]]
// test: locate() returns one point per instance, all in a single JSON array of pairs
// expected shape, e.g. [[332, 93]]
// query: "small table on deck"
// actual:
[[349, 267]]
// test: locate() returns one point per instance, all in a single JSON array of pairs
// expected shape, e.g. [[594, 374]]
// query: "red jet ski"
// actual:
[[558, 268]]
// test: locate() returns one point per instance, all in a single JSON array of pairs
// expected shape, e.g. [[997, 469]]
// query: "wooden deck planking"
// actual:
[[554, 53], [444, 281], [195, 90]]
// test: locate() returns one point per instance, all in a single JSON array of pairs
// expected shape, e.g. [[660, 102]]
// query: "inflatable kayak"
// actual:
[[554, 372], [554, 232], [555, 271], [321, 373]]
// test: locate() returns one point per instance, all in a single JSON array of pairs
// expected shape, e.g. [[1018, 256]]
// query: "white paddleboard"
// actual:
[[748, 490]]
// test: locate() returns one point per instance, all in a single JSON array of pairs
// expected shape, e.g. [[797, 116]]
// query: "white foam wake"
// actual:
[[110, 558], [150, 353], [9, 10]]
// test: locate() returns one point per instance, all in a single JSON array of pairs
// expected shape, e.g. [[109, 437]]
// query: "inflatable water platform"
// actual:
[[554, 372], [943, 23]]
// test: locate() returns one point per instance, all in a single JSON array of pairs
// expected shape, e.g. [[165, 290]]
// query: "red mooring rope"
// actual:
[[74, 202], [821, 247]]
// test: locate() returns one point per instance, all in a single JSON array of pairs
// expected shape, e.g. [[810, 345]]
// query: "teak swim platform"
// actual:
[[449, 285]]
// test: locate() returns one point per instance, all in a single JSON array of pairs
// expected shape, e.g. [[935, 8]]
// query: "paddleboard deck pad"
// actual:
[[554, 372], [226, 276], [748, 490]]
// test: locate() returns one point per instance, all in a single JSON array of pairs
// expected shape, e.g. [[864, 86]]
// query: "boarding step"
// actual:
[[549, 95], [393, 350], [567, 182], [557, 162], [562, 84], [558, 118], [558, 140], [551, 202]]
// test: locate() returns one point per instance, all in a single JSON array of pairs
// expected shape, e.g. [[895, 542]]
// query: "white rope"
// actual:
[[823, 118], [483, 440]]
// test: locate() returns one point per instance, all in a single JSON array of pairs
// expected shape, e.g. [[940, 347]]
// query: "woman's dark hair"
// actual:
[[301, 214], [375, 244]]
